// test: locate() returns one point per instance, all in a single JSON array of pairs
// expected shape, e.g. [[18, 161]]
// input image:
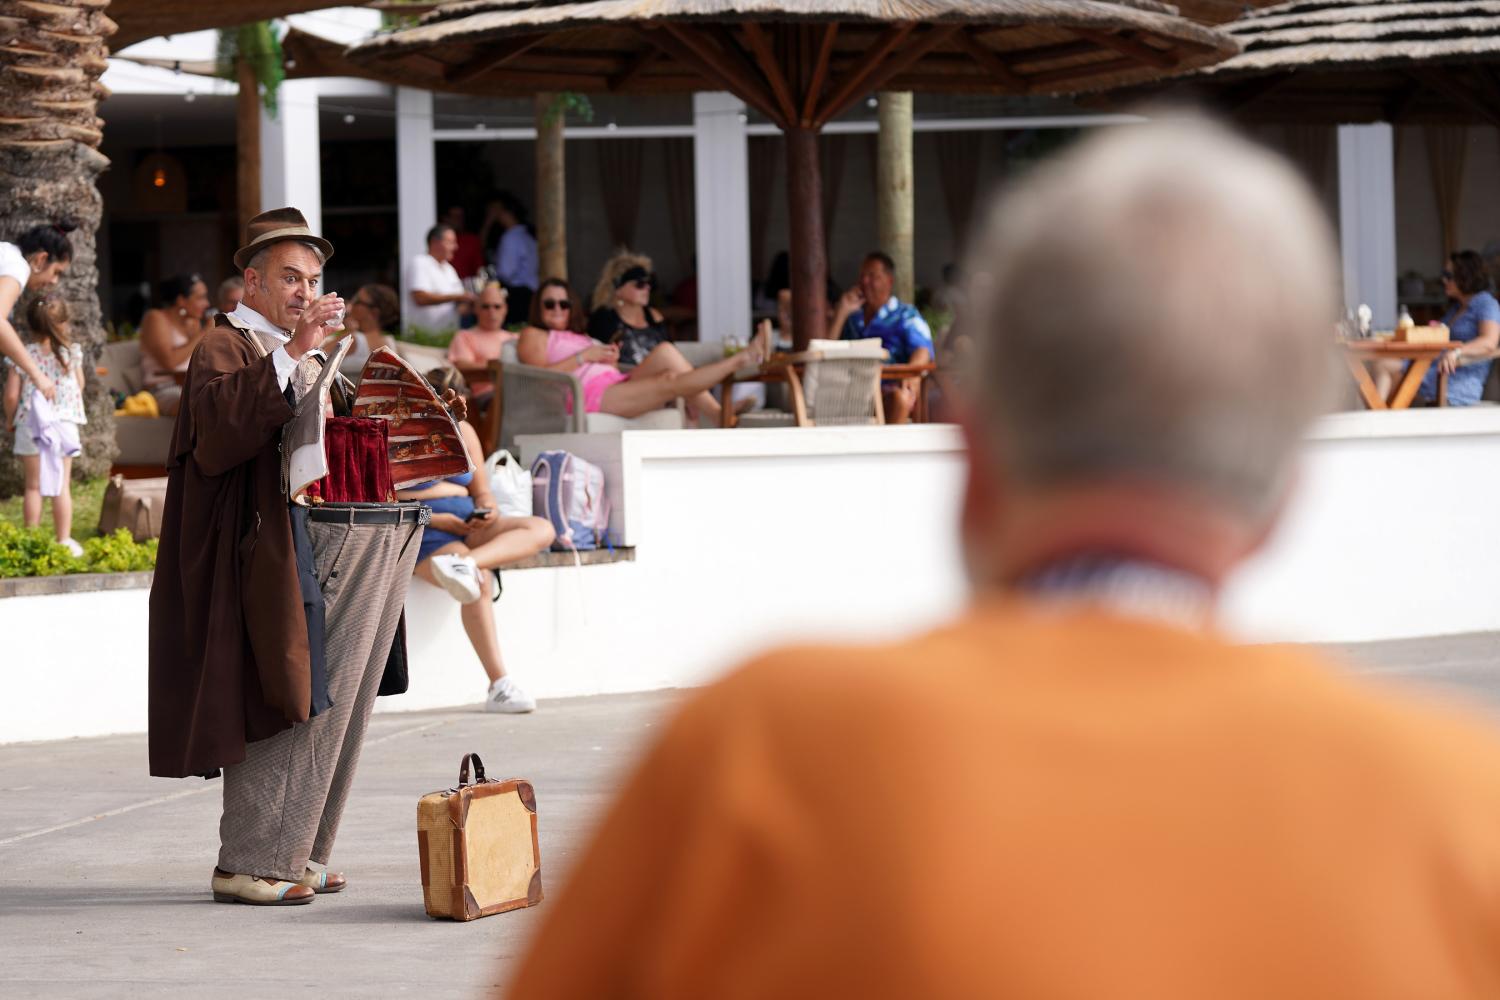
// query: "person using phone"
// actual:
[[465, 541], [871, 309]]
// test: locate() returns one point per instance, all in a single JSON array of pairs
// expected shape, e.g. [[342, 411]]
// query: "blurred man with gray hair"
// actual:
[[1079, 788]]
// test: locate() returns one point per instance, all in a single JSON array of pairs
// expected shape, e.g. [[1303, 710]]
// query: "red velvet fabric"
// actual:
[[359, 461]]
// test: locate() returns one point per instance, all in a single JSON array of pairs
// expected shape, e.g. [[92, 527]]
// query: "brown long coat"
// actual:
[[228, 636]]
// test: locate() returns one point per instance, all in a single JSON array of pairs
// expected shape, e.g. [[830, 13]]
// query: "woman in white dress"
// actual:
[[33, 263]]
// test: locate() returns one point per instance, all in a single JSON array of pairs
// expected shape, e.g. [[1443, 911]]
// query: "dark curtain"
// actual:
[[1447, 153], [680, 210], [766, 153], [1311, 148], [958, 171], [620, 183]]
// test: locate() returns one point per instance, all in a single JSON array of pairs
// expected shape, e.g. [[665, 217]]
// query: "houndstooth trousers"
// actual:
[[282, 804]]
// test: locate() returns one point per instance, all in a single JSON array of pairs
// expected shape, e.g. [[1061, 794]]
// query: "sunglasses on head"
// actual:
[[556, 304]]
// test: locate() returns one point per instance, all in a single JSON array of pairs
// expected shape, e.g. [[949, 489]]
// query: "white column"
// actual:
[[1367, 219], [721, 173], [416, 176], [290, 161]]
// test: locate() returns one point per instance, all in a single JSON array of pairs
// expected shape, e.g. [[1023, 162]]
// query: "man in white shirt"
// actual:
[[436, 299]]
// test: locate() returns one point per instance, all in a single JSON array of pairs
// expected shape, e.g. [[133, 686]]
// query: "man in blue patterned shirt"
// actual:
[[871, 309]]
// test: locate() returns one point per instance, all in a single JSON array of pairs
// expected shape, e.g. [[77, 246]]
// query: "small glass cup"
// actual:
[[336, 321]]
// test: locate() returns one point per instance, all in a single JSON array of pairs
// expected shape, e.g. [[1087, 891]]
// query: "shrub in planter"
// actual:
[[35, 552]]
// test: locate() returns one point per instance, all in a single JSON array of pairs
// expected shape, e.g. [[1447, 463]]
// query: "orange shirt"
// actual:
[[474, 347], [1042, 804]]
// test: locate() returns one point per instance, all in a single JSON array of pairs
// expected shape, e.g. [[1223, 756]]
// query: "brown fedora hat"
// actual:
[[273, 227]]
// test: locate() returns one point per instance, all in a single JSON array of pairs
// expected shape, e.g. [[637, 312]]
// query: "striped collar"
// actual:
[[1134, 588]]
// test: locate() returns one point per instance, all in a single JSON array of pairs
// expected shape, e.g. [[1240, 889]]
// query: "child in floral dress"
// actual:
[[48, 471]]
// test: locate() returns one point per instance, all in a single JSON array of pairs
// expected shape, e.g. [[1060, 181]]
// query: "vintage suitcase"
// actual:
[[133, 504], [478, 846]]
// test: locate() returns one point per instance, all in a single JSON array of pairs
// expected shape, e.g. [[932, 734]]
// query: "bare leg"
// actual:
[[1385, 372], [31, 500], [642, 395], [899, 402], [478, 617], [509, 539], [666, 359], [62, 504]]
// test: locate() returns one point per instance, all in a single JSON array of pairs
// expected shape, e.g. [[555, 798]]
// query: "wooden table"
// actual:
[[775, 370], [923, 373], [1359, 354]]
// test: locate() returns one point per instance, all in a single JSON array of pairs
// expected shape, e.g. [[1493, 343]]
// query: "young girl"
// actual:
[[48, 471]]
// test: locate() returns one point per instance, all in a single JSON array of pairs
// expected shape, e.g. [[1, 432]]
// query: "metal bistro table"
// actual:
[[1359, 354]]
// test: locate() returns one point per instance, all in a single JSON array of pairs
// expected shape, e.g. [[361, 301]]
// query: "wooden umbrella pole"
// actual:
[[893, 189], [804, 195], [247, 142], [551, 190]]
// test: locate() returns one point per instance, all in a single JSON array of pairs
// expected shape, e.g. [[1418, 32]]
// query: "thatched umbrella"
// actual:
[[1429, 62], [142, 19], [800, 63]]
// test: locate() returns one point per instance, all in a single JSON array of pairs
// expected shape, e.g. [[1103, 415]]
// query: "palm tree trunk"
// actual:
[[49, 134]]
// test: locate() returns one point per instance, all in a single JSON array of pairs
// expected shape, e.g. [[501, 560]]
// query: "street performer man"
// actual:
[[273, 623]]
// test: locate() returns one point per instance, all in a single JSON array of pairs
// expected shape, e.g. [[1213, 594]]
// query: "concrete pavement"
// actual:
[[104, 871], [106, 894]]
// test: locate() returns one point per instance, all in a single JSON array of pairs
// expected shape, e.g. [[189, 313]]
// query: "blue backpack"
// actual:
[[569, 492]]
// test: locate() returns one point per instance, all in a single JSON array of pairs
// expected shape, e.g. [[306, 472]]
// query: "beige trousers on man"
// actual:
[[282, 804]]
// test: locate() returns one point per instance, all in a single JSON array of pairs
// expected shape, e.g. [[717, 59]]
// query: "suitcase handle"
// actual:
[[463, 770]]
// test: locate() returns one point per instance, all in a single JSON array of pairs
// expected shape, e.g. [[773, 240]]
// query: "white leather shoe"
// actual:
[[257, 891]]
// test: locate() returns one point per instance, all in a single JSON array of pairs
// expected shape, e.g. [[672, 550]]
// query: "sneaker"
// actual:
[[72, 547], [459, 577], [507, 696]]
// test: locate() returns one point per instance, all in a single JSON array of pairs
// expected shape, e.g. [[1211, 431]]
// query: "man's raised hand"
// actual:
[[312, 325]]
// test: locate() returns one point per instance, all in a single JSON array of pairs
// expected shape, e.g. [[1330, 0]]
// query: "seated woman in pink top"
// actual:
[[482, 343], [664, 375]]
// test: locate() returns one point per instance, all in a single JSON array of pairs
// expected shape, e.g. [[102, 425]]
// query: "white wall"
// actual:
[[1391, 534], [748, 539]]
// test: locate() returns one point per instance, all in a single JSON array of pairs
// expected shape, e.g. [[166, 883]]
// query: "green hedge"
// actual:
[[35, 552]]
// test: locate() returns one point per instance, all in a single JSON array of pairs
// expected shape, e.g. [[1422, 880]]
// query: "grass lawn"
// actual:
[[87, 498]]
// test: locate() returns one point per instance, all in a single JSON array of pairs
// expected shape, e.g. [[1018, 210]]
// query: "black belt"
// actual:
[[370, 513]]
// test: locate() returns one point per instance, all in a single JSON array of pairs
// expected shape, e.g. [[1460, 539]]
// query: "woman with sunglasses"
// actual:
[[622, 313], [483, 342], [1473, 323], [374, 312], [662, 376]]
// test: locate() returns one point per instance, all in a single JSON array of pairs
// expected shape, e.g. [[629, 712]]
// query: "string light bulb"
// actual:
[[159, 178], [348, 119]]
